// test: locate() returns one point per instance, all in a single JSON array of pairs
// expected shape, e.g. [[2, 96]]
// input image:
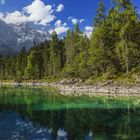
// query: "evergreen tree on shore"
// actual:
[[113, 49]]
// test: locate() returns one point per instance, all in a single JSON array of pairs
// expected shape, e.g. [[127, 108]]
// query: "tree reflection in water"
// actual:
[[42, 114]]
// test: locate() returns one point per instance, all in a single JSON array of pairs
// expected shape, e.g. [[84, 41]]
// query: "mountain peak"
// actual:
[[15, 37]]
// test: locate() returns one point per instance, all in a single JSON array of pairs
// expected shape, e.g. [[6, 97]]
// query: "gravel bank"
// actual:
[[80, 89]]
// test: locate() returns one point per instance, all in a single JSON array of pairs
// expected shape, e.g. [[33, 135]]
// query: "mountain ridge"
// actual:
[[14, 37]]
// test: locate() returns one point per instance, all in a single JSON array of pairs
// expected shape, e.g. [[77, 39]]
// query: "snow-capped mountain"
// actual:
[[26, 36], [14, 37]]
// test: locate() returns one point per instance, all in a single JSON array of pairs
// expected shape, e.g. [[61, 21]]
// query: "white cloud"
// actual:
[[58, 23], [51, 31], [88, 31], [89, 28], [65, 24], [75, 20], [81, 20], [2, 1], [59, 28], [69, 18], [37, 12], [15, 17], [60, 8]]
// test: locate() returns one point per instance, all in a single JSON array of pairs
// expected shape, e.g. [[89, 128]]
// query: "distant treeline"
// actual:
[[113, 49]]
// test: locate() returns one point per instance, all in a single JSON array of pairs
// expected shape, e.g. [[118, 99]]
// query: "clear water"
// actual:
[[43, 114]]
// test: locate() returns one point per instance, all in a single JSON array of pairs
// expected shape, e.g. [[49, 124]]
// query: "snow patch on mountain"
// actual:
[[18, 36]]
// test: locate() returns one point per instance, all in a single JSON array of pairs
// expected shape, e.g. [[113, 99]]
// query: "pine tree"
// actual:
[[82, 58], [34, 69], [46, 58], [72, 46], [21, 63], [101, 17], [55, 55], [127, 46]]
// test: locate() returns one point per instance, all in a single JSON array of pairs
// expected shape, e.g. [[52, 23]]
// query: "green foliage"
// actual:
[[34, 66], [74, 44], [113, 50], [55, 55], [99, 20]]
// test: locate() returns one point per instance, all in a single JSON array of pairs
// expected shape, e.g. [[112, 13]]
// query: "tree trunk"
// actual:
[[127, 59]]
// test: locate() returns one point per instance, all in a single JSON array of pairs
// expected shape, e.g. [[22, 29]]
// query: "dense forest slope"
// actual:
[[113, 51]]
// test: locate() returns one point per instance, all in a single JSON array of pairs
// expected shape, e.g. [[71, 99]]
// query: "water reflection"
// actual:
[[13, 127], [89, 136], [37, 114], [61, 134]]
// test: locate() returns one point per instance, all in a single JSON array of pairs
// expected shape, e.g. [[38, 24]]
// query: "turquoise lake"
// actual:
[[43, 114]]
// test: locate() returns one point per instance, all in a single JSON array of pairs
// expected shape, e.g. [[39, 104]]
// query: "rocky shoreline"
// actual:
[[81, 89]]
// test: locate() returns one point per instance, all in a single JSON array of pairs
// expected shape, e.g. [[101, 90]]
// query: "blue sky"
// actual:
[[62, 14]]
